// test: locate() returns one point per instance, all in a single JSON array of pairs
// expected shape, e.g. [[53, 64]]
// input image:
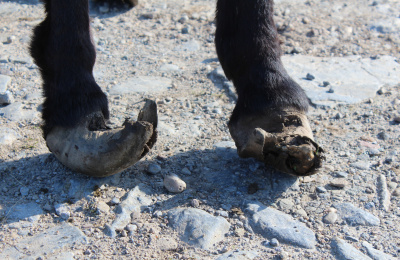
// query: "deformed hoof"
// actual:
[[105, 152], [283, 140]]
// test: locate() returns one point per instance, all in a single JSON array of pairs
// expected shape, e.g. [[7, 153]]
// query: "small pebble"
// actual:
[[382, 91], [186, 30], [24, 191], [62, 211], [195, 203], [158, 214], [11, 39], [102, 207], [131, 228], [115, 201], [184, 18], [339, 183], [153, 168], [341, 174], [369, 205], [274, 242], [305, 20], [396, 192], [310, 76], [383, 136], [321, 189], [6, 98], [325, 83], [109, 231], [174, 184], [339, 116], [351, 238], [330, 218]]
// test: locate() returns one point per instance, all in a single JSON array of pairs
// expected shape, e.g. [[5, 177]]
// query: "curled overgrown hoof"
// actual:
[[93, 149], [281, 139]]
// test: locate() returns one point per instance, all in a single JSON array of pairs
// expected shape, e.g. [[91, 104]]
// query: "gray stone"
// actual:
[[195, 203], [20, 60], [190, 46], [28, 211], [341, 174], [142, 84], [274, 242], [109, 231], [238, 255], [330, 218], [383, 193], [310, 76], [4, 81], [15, 112], [272, 223], [131, 228], [198, 228], [81, 186], [24, 191], [285, 204], [353, 239], [353, 79], [8, 136], [167, 244], [321, 189], [63, 211], [153, 168], [386, 26], [344, 251], [6, 98], [355, 216], [136, 199], [376, 254], [361, 165], [102, 207], [50, 244], [170, 67]]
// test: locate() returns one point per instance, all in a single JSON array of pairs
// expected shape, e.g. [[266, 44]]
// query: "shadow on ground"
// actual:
[[217, 176]]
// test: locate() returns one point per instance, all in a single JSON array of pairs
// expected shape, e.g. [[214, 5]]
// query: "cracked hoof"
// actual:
[[281, 139], [92, 149]]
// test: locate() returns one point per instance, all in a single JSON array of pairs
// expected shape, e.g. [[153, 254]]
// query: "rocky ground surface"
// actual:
[[344, 53]]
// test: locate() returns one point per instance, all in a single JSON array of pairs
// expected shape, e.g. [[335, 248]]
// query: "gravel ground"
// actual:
[[232, 208]]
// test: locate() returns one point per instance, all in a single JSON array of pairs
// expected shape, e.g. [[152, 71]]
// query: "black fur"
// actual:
[[62, 48], [247, 46]]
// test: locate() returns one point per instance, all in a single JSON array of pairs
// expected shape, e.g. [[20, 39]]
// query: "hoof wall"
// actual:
[[283, 140], [104, 152]]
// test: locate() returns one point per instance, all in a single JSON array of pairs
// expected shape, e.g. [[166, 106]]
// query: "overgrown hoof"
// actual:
[[92, 149], [283, 140]]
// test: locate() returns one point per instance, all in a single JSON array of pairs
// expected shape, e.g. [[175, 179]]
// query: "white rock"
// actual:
[[174, 184], [63, 211]]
